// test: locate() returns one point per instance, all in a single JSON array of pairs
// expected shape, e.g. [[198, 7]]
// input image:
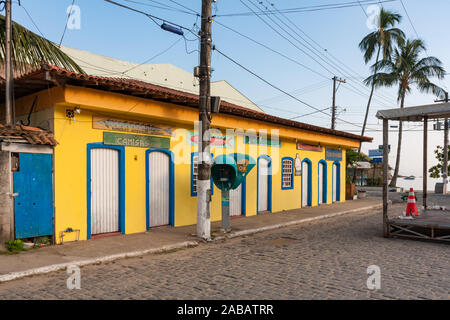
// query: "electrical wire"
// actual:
[[160, 5], [277, 88], [271, 49], [314, 50], [308, 9], [67, 21], [152, 17], [290, 35], [192, 10]]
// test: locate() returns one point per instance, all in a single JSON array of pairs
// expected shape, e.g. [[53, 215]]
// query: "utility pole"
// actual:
[[9, 114], [333, 107], [445, 164], [204, 167]]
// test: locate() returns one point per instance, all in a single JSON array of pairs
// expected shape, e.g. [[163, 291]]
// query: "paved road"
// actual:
[[322, 260]]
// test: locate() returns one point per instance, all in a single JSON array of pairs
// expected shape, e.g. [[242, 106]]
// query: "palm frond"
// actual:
[[30, 50]]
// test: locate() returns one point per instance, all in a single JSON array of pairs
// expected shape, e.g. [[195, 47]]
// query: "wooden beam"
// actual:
[[385, 176], [425, 158]]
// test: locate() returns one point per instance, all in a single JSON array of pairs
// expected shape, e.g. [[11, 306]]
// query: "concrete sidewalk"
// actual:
[[81, 253]]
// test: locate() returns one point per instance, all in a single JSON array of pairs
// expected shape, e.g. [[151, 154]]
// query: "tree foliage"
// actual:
[[352, 156], [436, 171], [30, 50]]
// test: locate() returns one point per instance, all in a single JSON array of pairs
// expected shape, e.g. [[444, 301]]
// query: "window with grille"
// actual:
[[287, 173]]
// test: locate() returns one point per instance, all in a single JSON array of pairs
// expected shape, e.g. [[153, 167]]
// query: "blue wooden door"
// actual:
[[33, 207]]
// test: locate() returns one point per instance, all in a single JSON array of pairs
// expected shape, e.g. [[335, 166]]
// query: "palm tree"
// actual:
[[405, 69], [380, 41], [29, 50]]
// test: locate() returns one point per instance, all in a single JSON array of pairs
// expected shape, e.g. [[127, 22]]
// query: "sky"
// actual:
[[332, 40]]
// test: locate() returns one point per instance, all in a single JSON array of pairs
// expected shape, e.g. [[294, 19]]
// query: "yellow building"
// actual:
[[126, 156]]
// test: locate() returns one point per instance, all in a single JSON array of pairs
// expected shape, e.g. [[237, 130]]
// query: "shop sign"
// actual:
[[217, 140], [262, 141], [333, 154], [135, 140], [104, 123], [309, 147]]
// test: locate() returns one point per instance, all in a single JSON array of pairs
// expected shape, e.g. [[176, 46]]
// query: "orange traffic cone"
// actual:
[[411, 207]]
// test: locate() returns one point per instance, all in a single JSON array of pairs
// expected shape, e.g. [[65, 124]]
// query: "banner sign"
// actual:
[[262, 141], [377, 160], [217, 140], [309, 147], [333, 154], [104, 123], [135, 140], [375, 153]]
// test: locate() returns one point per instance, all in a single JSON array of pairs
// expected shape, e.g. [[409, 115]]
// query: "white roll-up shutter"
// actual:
[[334, 182], [305, 178], [236, 202], [104, 191], [320, 183], [263, 184], [159, 188]]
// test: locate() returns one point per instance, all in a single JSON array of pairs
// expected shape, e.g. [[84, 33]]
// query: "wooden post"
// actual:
[[9, 78], [385, 176], [425, 150], [204, 166], [445, 166]]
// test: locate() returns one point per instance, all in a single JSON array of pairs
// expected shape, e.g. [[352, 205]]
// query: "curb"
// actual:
[[291, 223], [80, 263]]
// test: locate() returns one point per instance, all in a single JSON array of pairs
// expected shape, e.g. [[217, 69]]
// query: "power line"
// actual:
[[271, 49], [183, 6], [67, 21], [308, 9], [277, 88], [152, 17], [409, 18], [32, 20], [160, 5], [317, 52], [290, 34], [362, 8], [154, 56]]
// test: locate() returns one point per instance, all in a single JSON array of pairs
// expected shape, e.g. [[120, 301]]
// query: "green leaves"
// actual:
[[30, 51], [436, 171], [384, 37], [406, 68]]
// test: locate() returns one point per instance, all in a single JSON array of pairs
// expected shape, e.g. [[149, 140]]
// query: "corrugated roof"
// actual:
[[432, 111], [50, 75], [31, 135]]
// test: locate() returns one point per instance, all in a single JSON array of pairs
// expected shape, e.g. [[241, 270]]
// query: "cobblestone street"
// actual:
[[327, 259]]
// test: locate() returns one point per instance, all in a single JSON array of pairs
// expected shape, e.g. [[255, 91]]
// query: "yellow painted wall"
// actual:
[[71, 157]]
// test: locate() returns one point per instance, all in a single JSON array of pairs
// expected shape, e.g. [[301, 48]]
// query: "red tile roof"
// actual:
[[30, 134], [40, 79]]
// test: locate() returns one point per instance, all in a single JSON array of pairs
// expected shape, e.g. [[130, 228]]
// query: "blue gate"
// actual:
[[33, 206]]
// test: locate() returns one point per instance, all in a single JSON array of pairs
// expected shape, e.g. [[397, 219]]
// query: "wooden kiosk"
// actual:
[[431, 224]]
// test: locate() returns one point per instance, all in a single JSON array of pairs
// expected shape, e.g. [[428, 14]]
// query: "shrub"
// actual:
[[14, 245]]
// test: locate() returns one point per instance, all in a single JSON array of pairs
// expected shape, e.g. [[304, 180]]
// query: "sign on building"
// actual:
[[309, 147], [333, 154], [135, 140], [262, 141], [105, 123], [217, 140]]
